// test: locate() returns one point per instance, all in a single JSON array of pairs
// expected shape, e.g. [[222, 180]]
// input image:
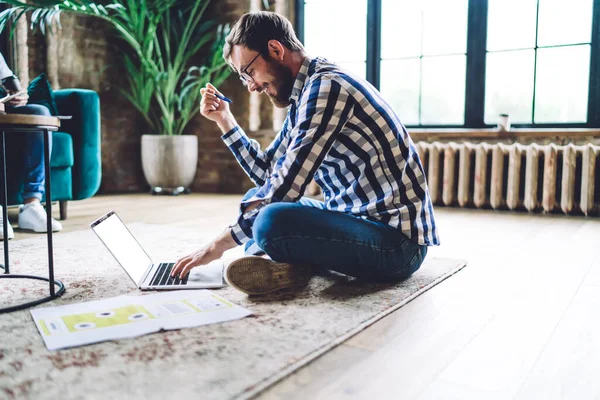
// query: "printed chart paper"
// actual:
[[130, 316]]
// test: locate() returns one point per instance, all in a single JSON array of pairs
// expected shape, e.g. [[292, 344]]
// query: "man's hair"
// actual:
[[254, 30]]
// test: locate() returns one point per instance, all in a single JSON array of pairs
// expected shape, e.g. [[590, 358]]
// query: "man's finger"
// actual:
[[179, 264], [208, 96], [209, 100], [183, 273], [195, 262], [186, 269], [188, 266], [208, 85]]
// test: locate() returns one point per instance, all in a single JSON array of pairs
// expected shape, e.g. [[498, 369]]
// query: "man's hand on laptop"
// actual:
[[211, 252]]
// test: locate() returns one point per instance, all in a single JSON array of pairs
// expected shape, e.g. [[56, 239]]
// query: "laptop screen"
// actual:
[[123, 246]]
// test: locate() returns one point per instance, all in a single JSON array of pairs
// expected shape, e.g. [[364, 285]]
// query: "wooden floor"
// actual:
[[519, 322]]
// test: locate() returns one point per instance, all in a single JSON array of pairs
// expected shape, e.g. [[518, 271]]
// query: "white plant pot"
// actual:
[[169, 162]]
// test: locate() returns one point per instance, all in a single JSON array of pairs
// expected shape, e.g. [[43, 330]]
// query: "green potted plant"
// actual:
[[163, 37]]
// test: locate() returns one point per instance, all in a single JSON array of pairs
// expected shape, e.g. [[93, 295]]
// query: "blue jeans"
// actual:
[[33, 153], [306, 233]]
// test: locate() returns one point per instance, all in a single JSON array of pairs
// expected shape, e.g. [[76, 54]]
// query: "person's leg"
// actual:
[[250, 247], [296, 234], [298, 237], [32, 215], [259, 275], [33, 154]]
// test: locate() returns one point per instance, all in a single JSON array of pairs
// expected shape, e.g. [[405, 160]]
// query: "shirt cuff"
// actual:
[[237, 234], [233, 135], [264, 194], [241, 230]]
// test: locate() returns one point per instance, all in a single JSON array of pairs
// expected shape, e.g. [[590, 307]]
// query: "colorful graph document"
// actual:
[[130, 316]]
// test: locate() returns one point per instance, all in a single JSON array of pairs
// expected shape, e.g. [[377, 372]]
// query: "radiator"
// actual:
[[538, 178]]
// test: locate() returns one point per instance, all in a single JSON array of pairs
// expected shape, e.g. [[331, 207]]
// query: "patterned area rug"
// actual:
[[231, 360]]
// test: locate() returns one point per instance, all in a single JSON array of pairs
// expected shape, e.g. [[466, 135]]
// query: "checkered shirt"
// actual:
[[341, 132]]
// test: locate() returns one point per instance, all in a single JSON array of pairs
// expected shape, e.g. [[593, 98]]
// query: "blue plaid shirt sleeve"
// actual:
[[256, 163]]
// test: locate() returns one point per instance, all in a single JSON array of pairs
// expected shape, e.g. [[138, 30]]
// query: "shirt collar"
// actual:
[[300, 80]]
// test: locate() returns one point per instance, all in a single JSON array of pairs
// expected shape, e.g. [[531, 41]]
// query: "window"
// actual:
[[347, 32], [423, 72], [461, 63], [538, 69]]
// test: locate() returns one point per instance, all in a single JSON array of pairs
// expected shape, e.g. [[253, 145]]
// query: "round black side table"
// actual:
[[21, 123]]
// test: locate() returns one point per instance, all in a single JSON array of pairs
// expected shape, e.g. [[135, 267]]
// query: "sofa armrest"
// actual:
[[84, 128]]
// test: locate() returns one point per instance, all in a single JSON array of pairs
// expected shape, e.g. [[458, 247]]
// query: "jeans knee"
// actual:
[[39, 109], [271, 222], [407, 269], [32, 109]]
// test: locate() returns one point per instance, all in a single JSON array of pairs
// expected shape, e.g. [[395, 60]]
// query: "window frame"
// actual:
[[476, 64]]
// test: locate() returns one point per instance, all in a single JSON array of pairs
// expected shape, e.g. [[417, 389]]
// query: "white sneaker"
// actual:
[[32, 217], [11, 233]]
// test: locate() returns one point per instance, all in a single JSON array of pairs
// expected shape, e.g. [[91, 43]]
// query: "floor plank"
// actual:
[[568, 367], [497, 361]]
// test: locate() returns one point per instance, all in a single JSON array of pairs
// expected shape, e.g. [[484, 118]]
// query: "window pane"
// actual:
[[445, 26], [511, 24], [509, 86], [443, 85], [412, 28], [358, 68], [336, 29], [400, 28], [561, 92], [400, 80], [562, 22]]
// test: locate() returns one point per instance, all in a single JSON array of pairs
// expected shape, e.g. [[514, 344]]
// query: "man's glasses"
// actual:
[[245, 76]]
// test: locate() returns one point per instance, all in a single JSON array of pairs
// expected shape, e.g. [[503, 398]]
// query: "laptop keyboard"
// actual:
[[162, 276]]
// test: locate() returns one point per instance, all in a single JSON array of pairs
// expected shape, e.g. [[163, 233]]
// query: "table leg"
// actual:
[[47, 134], [4, 199]]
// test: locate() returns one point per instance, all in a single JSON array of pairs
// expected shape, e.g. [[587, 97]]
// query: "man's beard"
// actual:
[[282, 84]]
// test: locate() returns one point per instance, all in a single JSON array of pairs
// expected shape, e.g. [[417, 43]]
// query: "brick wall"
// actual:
[[88, 60]]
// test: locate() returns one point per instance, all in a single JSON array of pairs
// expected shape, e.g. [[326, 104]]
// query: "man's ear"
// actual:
[[276, 49]]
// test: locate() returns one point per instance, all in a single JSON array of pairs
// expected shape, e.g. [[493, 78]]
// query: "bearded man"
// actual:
[[376, 219]]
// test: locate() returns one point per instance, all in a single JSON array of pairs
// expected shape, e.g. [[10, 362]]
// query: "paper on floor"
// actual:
[[130, 316]]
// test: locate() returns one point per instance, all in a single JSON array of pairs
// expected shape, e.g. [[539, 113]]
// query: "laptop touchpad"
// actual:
[[212, 273]]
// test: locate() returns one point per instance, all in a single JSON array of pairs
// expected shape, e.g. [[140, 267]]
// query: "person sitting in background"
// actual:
[[32, 216]]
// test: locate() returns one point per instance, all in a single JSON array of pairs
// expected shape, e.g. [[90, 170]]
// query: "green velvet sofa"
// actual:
[[75, 161]]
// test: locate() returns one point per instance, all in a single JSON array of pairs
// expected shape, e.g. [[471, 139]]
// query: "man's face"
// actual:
[[264, 74]]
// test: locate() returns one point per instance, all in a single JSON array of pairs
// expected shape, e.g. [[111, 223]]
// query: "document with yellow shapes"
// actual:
[[130, 316]]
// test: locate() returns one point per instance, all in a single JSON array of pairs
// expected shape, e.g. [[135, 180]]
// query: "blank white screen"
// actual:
[[121, 243]]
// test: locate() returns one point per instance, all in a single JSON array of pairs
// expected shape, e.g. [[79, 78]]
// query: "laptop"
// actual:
[[145, 273]]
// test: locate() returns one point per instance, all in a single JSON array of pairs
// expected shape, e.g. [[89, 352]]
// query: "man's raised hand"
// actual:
[[213, 108]]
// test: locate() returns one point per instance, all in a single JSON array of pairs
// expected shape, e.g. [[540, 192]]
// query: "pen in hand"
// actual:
[[223, 97]]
